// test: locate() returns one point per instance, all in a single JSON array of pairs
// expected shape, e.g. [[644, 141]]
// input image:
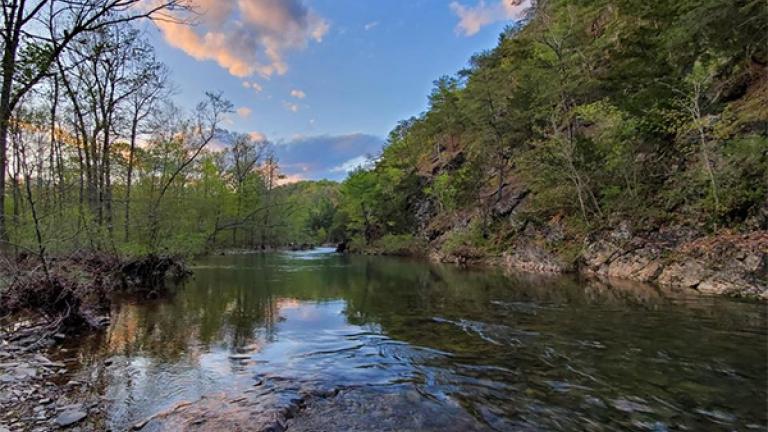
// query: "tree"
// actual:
[[246, 154], [148, 88], [189, 137], [359, 193], [35, 34]]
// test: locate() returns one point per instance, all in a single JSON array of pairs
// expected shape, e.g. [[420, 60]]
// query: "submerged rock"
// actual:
[[239, 356], [283, 405], [68, 418]]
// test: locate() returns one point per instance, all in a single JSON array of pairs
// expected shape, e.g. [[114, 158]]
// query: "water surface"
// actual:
[[408, 345]]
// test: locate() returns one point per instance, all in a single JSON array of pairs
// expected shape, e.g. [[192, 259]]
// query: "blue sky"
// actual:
[[325, 80]]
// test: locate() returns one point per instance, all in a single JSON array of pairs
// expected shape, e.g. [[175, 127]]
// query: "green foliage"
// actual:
[[309, 213], [34, 59], [469, 242], [377, 201], [204, 208], [604, 109], [444, 191], [398, 245], [744, 174]]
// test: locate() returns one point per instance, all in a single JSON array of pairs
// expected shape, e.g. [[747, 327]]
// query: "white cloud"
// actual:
[[371, 25], [351, 164], [258, 136], [291, 106], [247, 37], [474, 18], [253, 85], [244, 112], [298, 94], [314, 157], [320, 28]]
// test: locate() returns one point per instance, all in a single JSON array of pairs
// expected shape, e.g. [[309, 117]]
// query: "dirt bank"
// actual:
[[45, 302]]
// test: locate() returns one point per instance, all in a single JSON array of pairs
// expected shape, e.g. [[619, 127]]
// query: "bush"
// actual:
[[468, 243], [743, 179], [399, 245]]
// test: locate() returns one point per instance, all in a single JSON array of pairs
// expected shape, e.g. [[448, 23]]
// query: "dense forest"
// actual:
[[619, 145], [98, 157], [587, 115]]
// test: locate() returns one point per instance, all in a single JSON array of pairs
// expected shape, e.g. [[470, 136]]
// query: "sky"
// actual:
[[325, 80]]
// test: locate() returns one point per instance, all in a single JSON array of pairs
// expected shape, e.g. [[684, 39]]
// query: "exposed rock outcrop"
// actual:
[[727, 263], [532, 257]]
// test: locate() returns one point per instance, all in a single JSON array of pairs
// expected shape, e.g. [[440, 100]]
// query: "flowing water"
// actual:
[[402, 345]]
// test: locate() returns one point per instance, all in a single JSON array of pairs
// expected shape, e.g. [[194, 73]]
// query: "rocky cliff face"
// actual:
[[728, 263]]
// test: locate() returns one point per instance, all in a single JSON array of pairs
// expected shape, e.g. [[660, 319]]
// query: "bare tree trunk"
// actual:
[[16, 191], [54, 199], [5, 123], [33, 210], [107, 175], [11, 37], [4, 120], [129, 179]]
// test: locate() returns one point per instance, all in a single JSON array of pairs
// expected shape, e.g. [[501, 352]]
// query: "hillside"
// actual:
[[611, 137]]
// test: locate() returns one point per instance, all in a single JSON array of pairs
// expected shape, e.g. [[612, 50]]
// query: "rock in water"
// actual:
[[239, 357], [342, 247], [68, 418]]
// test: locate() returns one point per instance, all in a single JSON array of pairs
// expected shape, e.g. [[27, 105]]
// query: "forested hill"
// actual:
[[608, 135]]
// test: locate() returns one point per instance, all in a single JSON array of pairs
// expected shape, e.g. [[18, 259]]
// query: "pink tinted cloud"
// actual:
[[244, 112], [473, 18], [247, 37]]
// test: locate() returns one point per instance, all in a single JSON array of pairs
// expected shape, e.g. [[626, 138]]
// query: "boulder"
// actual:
[[530, 257], [68, 418], [688, 273]]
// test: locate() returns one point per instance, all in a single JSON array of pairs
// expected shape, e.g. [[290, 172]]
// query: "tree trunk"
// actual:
[[11, 36], [5, 124], [129, 180]]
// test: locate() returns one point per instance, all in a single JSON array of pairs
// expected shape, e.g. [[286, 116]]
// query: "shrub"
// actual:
[[467, 243], [399, 245]]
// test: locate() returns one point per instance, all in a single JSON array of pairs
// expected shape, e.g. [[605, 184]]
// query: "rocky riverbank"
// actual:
[[38, 391], [42, 304], [729, 264], [724, 264]]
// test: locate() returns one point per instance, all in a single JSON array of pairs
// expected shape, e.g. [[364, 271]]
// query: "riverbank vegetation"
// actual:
[[99, 156], [585, 117], [104, 173]]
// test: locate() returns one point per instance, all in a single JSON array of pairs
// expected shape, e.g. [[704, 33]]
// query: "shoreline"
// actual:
[[39, 385], [42, 390], [727, 265]]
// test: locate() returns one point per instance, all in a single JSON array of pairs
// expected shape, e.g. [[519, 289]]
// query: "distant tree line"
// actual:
[[96, 155]]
